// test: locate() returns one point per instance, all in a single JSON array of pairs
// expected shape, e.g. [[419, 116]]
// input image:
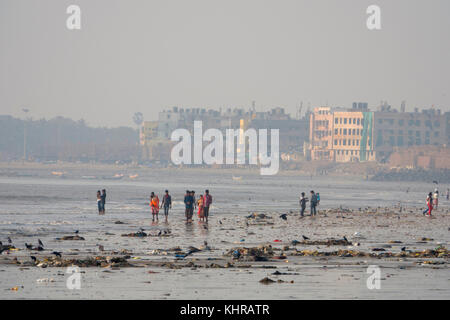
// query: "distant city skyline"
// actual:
[[153, 55]]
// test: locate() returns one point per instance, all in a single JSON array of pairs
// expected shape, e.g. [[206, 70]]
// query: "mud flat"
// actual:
[[238, 256]]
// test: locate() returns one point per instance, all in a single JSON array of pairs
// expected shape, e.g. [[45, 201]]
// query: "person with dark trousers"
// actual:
[[167, 204], [313, 203], [207, 200], [189, 204], [303, 201], [103, 197]]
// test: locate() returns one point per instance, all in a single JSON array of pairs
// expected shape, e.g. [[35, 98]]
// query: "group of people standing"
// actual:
[[202, 203], [432, 202], [166, 203], [314, 202], [101, 201]]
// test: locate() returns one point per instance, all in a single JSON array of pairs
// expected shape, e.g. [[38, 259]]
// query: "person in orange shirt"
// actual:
[[154, 204], [201, 215]]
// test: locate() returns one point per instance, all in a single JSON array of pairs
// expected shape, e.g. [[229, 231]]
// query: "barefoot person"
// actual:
[[154, 204], [303, 201], [429, 203], [200, 213], [188, 202], [167, 203], [207, 200], [103, 197], [313, 203], [99, 202]]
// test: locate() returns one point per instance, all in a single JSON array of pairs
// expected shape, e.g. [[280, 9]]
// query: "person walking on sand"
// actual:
[[313, 203], [429, 203], [200, 203], [448, 194], [103, 197], [154, 204], [303, 201], [435, 198], [207, 200], [99, 202], [188, 202], [167, 204]]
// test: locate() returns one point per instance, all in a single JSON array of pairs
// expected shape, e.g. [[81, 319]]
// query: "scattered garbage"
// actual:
[[266, 280], [76, 237]]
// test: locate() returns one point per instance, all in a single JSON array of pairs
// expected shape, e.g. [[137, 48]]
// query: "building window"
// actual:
[[345, 131], [401, 122], [336, 120], [345, 120]]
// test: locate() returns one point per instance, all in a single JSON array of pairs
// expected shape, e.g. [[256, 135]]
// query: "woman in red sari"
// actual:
[[200, 205]]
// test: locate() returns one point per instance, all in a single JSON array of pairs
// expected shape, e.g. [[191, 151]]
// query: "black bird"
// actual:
[[33, 258], [284, 216], [159, 233], [9, 240], [305, 238], [220, 221], [76, 231], [56, 253], [345, 239], [404, 249], [28, 246], [39, 248], [40, 243]]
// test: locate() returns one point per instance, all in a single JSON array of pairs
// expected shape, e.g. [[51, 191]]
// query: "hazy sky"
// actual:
[[152, 54]]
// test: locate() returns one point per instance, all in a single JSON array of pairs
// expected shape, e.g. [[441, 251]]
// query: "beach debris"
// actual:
[[260, 253], [119, 222], [42, 280], [283, 216], [6, 248], [76, 237], [266, 280], [57, 254], [295, 242], [305, 237], [139, 234], [425, 239]]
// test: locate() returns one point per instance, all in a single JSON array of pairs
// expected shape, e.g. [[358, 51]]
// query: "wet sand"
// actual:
[[149, 268]]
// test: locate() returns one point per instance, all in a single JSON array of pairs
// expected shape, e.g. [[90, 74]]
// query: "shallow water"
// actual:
[[40, 205]]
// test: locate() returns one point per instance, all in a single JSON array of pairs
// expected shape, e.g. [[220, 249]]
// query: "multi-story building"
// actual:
[[362, 135], [406, 129], [148, 132], [342, 135]]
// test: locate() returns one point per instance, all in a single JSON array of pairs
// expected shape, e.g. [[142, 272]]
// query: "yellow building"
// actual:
[[148, 132]]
